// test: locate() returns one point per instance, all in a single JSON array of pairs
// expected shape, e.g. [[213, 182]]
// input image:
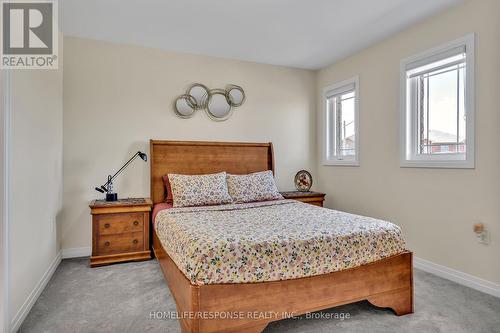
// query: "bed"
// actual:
[[308, 259]]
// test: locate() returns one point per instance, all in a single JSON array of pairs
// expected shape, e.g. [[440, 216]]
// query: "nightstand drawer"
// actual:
[[110, 224], [127, 242]]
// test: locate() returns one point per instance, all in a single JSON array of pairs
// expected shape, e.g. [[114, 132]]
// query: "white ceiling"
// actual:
[[298, 33]]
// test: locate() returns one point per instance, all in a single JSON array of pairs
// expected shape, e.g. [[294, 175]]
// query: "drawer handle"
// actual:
[[107, 243], [136, 222], [135, 241], [106, 225]]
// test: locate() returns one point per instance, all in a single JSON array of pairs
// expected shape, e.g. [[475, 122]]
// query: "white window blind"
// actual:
[[341, 90], [447, 58]]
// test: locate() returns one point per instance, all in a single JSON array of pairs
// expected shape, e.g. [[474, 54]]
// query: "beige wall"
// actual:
[[117, 97], [35, 179], [436, 208]]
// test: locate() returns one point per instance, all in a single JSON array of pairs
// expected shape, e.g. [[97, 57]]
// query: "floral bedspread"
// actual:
[[271, 240]]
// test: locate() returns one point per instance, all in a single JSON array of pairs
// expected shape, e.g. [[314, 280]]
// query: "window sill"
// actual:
[[353, 163], [442, 164]]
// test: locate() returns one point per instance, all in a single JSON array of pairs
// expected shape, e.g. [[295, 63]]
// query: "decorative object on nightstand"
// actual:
[[303, 181], [313, 198], [120, 230], [108, 185]]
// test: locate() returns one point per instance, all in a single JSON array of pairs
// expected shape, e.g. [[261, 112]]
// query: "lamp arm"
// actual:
[[121, 169]]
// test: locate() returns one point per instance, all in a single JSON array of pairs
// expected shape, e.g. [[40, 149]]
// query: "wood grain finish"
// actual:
[[202, 157], [386, 283], [313, 198], [120, 231], [120, 257], [119, 243], [120, 223]]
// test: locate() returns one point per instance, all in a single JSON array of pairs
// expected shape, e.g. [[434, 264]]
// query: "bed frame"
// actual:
[[249, 307]]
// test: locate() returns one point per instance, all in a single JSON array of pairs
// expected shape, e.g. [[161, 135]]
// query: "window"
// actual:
[[437, 107], [341, 123]]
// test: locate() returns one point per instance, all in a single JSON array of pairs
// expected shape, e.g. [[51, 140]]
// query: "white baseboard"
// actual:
[[76, 252], [33, 296], [462, 278]]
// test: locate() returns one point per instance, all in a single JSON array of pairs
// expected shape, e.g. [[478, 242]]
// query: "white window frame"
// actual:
[[408, 157], [328, 159]]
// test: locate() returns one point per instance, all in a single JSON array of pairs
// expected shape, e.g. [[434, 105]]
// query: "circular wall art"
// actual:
[[235, 95], [218, 103], [183, 106], [218, 106], [303, 181], [199, 92]]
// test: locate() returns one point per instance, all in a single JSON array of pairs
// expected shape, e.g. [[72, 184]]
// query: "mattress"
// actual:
[[271, 241]]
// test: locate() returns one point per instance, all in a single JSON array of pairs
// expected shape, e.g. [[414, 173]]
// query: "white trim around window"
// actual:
[[330, 128], [459, 52]]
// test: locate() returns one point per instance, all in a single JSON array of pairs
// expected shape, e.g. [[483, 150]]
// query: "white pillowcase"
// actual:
[[258, 186]]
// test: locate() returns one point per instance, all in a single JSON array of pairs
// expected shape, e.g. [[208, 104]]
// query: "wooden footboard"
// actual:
[[249, 307]]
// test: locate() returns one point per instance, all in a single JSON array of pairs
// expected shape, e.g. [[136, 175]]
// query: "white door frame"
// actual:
[[5, 117]]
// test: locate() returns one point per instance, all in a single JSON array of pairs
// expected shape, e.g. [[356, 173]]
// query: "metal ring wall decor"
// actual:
[[235, 95], [218, 103], [183, 106], [219, 107], [199, 92]]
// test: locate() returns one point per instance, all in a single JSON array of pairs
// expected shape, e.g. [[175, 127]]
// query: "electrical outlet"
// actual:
[[484, 237], [482, 234]]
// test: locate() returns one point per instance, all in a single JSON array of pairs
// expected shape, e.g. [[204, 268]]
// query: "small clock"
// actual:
[[303, 181]]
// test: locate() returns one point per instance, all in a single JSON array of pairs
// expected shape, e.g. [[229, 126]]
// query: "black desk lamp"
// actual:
[[108, 185]]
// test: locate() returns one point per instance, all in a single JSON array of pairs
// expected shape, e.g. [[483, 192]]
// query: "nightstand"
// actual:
[[313, 198], [120, 230]]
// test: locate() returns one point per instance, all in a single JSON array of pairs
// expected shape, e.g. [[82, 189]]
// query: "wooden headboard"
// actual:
[[200, 157]]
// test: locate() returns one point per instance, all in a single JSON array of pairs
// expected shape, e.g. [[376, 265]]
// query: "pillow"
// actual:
[[168, 188], [258, 186], [199, 190]]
